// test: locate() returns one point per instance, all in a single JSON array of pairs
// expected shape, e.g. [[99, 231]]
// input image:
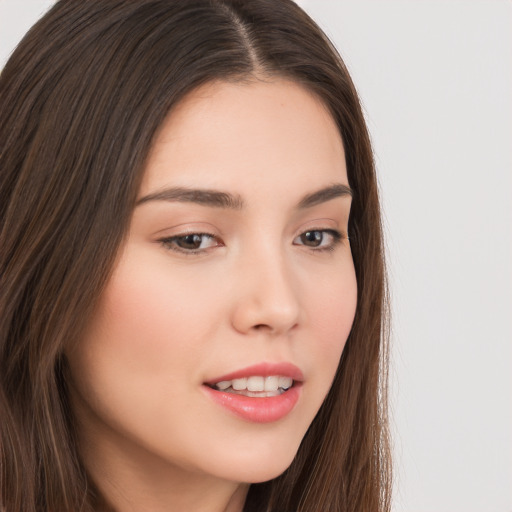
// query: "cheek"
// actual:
[[133, 324], [331, 310], [332, 304], [142, 344], [144, 323], [138, 361]]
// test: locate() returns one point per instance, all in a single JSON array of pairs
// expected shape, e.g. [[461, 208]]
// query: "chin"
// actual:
[[263, 473], [259, 464]]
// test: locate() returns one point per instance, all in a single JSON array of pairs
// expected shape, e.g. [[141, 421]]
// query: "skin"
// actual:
[[170, 319]]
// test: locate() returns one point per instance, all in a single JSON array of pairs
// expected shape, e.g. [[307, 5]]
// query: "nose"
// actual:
[[266, 298]]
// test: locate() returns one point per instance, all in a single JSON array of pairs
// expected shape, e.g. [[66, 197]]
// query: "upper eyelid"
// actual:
[[190, 228], [206, 228]]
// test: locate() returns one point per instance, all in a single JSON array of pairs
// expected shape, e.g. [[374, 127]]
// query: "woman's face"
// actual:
[[236, 266]]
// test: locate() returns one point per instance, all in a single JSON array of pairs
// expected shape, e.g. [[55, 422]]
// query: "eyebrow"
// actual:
[[205, 197], [325, 194], [218, 199]]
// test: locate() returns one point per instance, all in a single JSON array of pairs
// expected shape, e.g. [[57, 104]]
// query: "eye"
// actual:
[[319, 239], [191, 243]]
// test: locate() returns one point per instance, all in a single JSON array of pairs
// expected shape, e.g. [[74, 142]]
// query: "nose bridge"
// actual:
[[268, 298]]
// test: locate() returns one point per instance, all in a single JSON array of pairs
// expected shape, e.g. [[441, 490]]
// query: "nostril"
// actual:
[[265, 328]]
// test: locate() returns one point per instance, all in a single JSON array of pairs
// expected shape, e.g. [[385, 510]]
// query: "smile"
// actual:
[[261, 393], [256, 386]]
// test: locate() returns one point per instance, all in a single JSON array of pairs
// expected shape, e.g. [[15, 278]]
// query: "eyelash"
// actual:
[[171, 242]]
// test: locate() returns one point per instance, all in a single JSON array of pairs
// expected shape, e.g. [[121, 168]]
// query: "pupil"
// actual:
[[312, 238], [191, 241]]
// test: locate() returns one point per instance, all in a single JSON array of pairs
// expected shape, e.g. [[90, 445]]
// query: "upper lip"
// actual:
[[265, 369]]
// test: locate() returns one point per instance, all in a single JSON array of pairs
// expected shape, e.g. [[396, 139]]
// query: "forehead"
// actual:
[[227, 134]]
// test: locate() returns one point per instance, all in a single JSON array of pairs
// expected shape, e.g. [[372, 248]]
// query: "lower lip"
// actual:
[[257, 409]]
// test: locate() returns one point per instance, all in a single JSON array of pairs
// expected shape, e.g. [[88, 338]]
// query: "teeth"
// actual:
[[239, 384], [257, 384], [285, 382], [223, 384], [271, 383]]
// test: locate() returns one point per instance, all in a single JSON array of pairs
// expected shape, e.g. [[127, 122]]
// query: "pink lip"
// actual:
[[262, 370], [259, 409]]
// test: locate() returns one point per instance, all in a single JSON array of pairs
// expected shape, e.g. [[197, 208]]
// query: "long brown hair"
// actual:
[[80, 102]]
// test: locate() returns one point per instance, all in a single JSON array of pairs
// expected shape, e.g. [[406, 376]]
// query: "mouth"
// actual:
[[255, 385], [261, 393]]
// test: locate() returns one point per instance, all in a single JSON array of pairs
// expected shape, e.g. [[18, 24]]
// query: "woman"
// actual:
[[192, 285]]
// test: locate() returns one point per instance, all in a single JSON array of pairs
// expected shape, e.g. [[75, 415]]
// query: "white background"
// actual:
[[435, 78]]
